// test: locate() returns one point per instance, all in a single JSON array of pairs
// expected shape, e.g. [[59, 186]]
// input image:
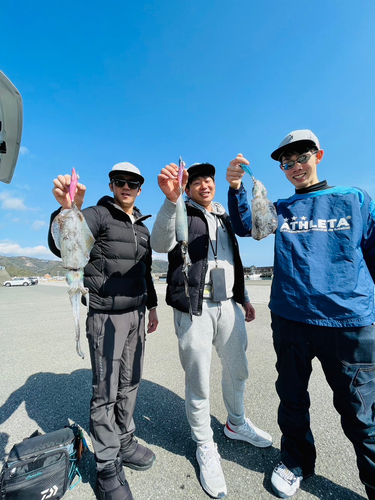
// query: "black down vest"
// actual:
[[198, 251]]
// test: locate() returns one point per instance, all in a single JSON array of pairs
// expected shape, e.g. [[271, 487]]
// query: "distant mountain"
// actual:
[[28, 266]]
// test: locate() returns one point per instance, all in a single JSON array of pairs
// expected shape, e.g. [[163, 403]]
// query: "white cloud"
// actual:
[[38, 224], [15, 250], [8, 202], [24, 151]]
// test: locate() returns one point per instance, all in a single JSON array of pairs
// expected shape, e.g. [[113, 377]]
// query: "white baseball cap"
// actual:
[[126, 168], [293, 138]]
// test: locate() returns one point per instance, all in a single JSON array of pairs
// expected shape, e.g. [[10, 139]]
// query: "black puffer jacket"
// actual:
[[198, 251], [118, 274]]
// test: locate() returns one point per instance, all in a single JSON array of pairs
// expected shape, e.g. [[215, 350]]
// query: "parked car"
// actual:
[[18, 282], [34, 280]]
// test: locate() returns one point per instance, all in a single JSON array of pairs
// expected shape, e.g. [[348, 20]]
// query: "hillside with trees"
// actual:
[[28, 266]]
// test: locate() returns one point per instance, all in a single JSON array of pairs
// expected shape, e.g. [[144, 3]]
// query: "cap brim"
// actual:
[[278, 152]]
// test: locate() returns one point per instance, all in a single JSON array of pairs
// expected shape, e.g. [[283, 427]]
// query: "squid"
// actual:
[[182, 232], [74, 239], [263, 211]]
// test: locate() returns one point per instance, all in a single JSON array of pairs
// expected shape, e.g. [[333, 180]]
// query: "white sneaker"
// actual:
[[249, 433], [284, 482], [211, 474]]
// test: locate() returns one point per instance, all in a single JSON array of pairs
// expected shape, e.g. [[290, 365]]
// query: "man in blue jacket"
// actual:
[[322, 304]]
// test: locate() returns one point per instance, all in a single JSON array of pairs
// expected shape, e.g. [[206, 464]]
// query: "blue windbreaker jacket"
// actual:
[[324, 267]]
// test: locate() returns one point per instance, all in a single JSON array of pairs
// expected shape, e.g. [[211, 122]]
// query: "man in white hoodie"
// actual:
[[216, 268]]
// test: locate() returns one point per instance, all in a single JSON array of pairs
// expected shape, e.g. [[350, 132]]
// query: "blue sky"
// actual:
[[147, 82]]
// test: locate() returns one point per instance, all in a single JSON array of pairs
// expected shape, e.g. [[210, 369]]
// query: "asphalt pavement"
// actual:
[[44, 385]]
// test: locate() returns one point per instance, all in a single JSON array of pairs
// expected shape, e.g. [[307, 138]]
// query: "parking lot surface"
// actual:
[[43, 384]]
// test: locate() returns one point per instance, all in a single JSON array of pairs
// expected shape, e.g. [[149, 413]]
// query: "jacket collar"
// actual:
[[109, 202], [217, 209]]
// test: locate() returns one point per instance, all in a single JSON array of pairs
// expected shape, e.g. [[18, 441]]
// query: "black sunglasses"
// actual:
[[121, 183]]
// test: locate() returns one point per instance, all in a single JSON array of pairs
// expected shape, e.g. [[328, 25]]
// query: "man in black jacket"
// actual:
[[213, 251], [118, 276]]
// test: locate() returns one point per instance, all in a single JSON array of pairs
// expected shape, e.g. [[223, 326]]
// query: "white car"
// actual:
[[18, 282]]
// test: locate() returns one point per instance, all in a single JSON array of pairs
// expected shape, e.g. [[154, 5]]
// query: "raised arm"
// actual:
[[61, 192], [163, 236], [238, 206], [235, 172]]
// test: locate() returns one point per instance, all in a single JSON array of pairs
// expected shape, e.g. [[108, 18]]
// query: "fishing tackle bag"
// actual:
[[42, 466]]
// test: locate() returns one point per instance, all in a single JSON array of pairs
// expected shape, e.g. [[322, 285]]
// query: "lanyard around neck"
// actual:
[[214, 250]]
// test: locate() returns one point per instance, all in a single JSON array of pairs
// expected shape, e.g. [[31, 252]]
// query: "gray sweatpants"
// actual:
[[117, 349], [222, 325]]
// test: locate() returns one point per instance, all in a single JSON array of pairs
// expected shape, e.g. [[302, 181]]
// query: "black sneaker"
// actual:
[[135, 455], [111, 483]]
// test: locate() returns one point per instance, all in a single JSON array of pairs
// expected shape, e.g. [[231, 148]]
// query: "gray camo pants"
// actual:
[[117, 349]]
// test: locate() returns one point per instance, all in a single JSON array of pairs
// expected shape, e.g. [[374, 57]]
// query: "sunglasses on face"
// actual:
[[301, 160], [121, 183]]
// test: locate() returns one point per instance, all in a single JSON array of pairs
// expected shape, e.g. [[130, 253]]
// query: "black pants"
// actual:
[[117, 349], [347, 356]]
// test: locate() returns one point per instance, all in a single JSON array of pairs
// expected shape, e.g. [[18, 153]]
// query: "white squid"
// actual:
[[74, 239], [263, 211], [182, 232]]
